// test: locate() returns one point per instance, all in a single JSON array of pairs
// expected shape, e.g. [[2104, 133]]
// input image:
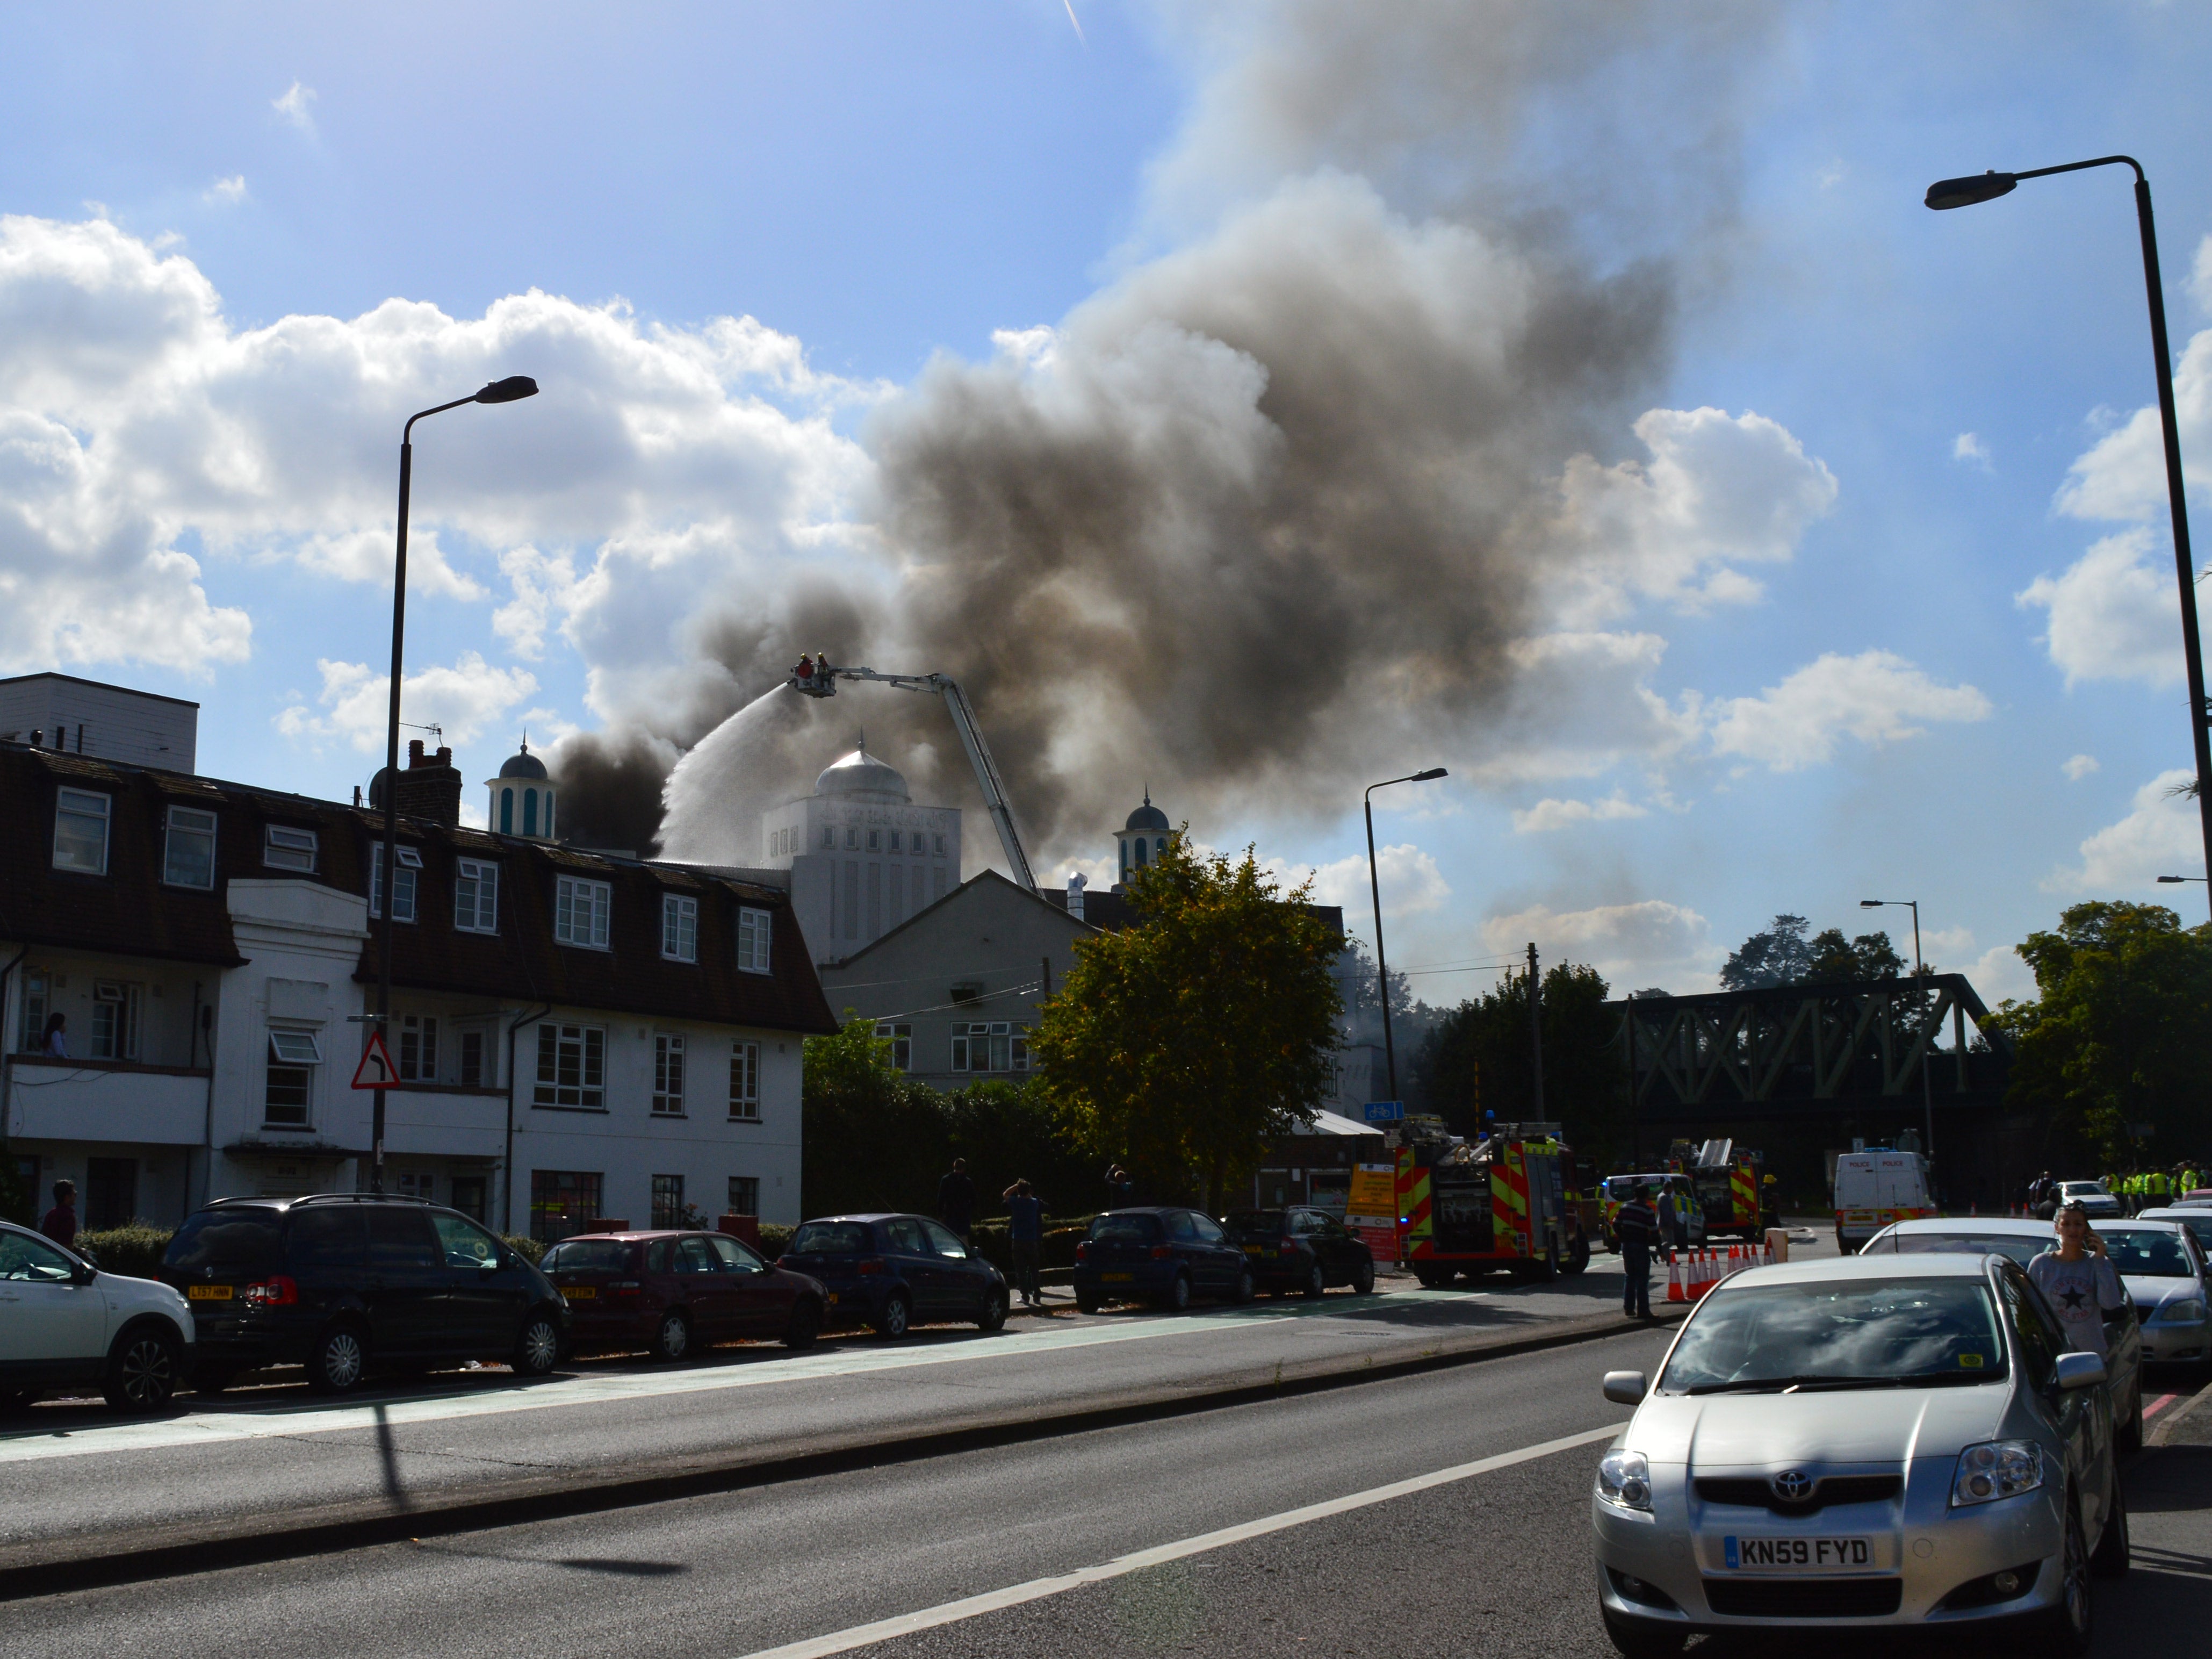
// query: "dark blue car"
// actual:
[[894, 1272], [1165, 1255]]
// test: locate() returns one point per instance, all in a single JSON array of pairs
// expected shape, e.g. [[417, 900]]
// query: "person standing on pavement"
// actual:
[[955, 1199], [2079, 1281], [1638, 1227], [60, 1224], [1025, 1233], [1120, 1191]]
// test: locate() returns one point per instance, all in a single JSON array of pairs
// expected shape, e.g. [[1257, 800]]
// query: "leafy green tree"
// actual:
[[1776, 956], [870, 1138], [2120, 1033], [1870, 956], [1585, 1085], [1178, 1045]]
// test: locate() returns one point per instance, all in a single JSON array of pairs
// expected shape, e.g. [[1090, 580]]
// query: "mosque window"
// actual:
[[895, 841], [875, 840], [829, 837], [852, 838], [940, 846], [1140, 852], [507, 812], [530, 811]]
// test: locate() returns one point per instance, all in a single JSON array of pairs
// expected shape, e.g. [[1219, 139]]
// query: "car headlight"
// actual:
[[2188, 1311], [1623, 1480], [1994, 1469]]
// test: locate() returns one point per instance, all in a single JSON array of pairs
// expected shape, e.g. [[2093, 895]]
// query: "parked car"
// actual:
[[347, 1283], [2165, 1274], [894, 1272], [64, 1324], [2197, 1218], [672, 1293], [2091, 1196], [1165, 1255], [1878, 1440], [2021, 1241], [1300, 1248]]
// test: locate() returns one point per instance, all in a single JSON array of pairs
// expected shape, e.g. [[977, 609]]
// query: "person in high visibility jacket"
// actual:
[[1676, 1212]]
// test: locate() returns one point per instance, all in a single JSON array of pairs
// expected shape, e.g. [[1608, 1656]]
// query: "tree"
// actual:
[[1870, 956], [1585, 1091], [871, 1138], [1179, 1045], [1411, 1019], [2120, 1033], [1777, 956]]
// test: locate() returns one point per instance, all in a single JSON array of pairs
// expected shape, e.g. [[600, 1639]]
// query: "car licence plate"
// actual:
[[1797, 1554], [578, 1292], [1253, 1249], [209, 1293], [1117, 1278]]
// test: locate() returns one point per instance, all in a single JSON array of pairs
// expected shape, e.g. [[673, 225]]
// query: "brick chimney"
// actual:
[[430, 787]]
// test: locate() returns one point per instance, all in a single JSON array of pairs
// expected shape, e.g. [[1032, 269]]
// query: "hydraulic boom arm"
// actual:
[[817, 679]]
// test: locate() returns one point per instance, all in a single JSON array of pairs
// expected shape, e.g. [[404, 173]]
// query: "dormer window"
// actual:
[[405, 881], [81, 831], [284, 848]]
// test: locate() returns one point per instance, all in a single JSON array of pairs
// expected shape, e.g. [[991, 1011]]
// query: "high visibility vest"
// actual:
[[2157, 1184]]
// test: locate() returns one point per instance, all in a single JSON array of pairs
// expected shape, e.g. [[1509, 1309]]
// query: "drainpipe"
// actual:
[[506, 1164], [8, 1072], [203, 1027]]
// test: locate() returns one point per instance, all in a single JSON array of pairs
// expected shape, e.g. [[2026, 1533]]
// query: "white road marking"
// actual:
[[951, 1612], [221, 1427]]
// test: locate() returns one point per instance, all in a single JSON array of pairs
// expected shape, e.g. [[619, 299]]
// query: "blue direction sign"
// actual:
[[1385, 1111]]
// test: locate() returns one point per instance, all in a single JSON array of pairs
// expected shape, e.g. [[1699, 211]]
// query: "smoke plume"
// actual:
[[1264, 517]]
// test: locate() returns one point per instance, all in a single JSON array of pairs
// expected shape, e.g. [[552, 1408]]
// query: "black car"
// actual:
[[896, 1271], [344, 1283], [1164, 1256], [1301, 1250]]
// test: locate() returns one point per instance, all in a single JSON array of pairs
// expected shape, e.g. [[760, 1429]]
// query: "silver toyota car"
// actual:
[[1892, 1441]]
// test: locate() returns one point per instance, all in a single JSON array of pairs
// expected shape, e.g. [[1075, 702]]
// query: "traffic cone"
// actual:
[[1673, 1278]]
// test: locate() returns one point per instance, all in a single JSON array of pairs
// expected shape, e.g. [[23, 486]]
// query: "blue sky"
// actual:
[[1770, 659]]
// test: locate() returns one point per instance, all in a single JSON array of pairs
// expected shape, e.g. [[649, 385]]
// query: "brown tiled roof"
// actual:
[[131, 912]]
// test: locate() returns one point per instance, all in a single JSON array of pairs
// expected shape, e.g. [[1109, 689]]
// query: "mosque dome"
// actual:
[[523, 765], [861, 776], [1147, 817]]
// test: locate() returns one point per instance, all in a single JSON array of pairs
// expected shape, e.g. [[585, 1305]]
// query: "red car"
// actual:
[[672, 1292]]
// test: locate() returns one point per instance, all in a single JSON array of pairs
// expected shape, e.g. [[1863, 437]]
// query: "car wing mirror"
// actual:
[[2079, 1370], [489, 1263], [1629, 1388]]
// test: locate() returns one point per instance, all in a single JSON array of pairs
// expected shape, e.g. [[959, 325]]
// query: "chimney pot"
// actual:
[[414, 751]]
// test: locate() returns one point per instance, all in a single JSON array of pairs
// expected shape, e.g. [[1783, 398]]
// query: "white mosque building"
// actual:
[[862, 856]]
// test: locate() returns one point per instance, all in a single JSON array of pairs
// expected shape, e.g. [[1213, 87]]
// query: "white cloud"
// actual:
[[2200, 278], [2113, 616], [226, 191], [1876, 697], [1550, 814], [2080, 767], [542, 584], [1718, 492], [2122, 475], [464, 700], [366, 556], [1633, 945], [1998, 974], [1968, 447], [292, 104], [1408, 877], [1582, 703], [2161, 835]]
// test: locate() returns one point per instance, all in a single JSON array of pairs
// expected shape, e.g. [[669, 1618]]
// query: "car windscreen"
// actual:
[[240, 1240], [2199, 1223], [1125, 1230], [588, 1255], [2022, 1247], [2085, 1189], [830, 1238], [1266, 1222], [1828, 1333], [2159, 1254]]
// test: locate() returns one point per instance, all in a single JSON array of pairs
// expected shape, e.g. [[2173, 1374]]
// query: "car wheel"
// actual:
[[1316, 1282], [1429, 1277], [992, 1315], [143, 1369], [1087, 1302], [537, 1350], [805, 1324], [2069, 1622], [1632, 1638], [896, 1315], [338, 1361], [2114, 1554], [2127, 1439], [1578, 1256], [1246, 1290], [1178, 1294], [1363, 1278], [672, 1340]]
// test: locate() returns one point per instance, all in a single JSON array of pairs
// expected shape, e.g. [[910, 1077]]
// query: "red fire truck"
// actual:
[[1506, 1201]]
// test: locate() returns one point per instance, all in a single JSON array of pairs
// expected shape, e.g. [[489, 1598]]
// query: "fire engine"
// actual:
[[1505, 1201], [1726, 1182]]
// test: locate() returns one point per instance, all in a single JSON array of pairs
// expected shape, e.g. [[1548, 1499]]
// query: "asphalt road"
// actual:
[[1494, 1561], [74, 1473]]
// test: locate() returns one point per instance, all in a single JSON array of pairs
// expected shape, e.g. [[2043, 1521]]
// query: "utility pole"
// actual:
[[1535, 1035]]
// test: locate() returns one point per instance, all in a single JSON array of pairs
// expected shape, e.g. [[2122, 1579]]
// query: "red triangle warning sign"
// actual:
[[376, 1070]]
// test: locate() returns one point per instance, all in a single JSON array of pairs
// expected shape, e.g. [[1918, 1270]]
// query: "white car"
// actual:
[[2095, 1201], [2160, 1263], [1898, 1441], [63, 1322]]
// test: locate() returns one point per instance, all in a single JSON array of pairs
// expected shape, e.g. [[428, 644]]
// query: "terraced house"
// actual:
[[187, 963]]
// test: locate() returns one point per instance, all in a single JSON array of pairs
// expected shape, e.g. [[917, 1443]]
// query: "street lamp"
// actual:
[[2171, 880], [510, 390], [1375, 891], [1920, 971], [1988, 186]]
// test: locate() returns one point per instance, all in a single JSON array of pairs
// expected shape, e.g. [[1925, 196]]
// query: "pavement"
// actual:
[[1440, 1512], [270, 1472]]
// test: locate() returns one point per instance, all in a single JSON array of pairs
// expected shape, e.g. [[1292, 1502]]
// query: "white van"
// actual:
[[1875, 1187]]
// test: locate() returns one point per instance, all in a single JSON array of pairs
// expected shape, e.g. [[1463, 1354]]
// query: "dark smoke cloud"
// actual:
[[1259, 522]]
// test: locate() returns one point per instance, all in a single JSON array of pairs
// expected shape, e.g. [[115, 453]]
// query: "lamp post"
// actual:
[[1988, 186], [510, 390], [1375, 891], [2175, 881], [1919, 976]]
